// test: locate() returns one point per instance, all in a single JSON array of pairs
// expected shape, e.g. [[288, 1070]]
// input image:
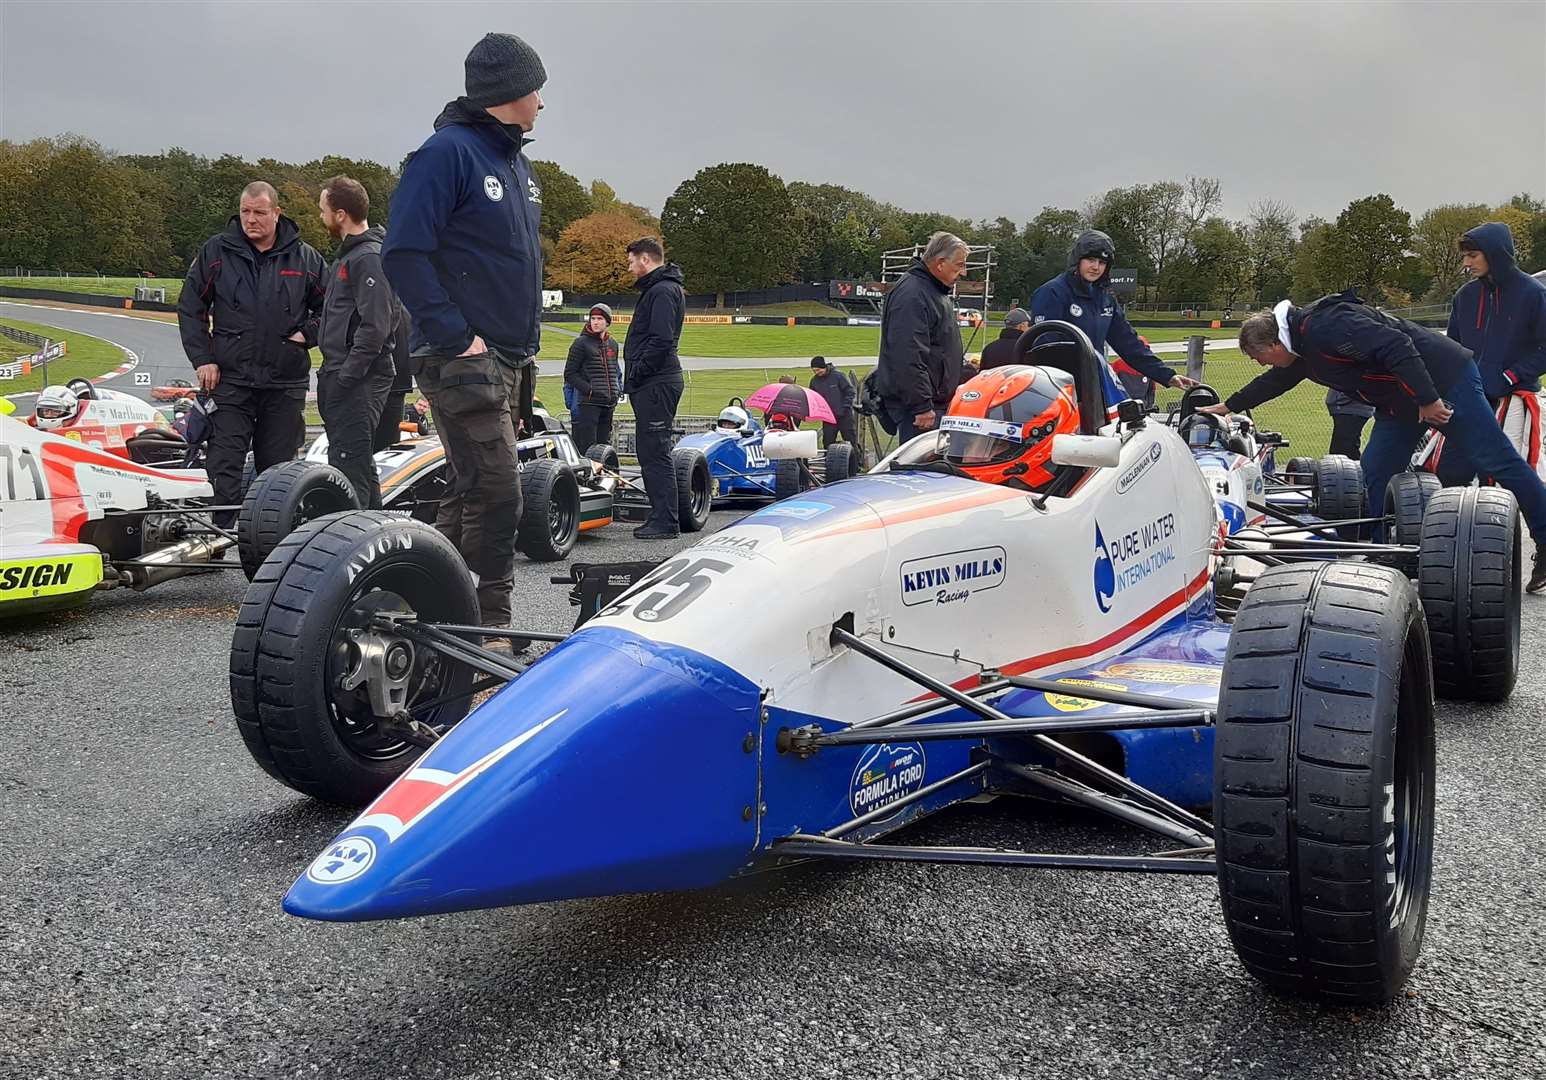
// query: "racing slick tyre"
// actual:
[[1323, 780], [283, 499], [550, 510], [607, 455], [1300, 469], [694, 488], [790, 477], [293, 649], [1406, 498], [840, 462], [1337, 484], [1468, 580]]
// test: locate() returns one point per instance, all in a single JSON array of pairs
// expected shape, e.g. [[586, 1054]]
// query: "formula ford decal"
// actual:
[[884, 775], [952, 577]]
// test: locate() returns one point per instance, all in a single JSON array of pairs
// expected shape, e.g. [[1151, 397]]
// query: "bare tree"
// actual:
[[1204, 195], [1269, 241]]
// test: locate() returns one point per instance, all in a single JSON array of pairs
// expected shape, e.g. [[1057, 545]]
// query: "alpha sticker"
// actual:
[[493, 188], [884, 775], [344, 860], [952, 577], [1172, 672]]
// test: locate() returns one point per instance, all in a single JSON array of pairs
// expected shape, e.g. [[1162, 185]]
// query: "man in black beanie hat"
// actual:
[[463, 254]]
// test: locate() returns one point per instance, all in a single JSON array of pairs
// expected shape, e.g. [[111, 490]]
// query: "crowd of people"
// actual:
[[449, 300]]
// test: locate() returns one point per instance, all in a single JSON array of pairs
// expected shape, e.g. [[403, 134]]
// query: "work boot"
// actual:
[[654, 532], [1537, 580]]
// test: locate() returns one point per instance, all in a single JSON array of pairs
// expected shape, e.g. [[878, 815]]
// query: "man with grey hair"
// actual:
[[1401, 369], [248, 315], [920, 343]]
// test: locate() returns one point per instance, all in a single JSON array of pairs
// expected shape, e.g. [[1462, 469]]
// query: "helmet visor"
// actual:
[[972, 440], [51, 412]]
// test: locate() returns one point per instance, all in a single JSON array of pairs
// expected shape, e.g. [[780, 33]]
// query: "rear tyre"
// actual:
[[607, 455], [292, 648], [1469, 583], [283, 499], [1301, 469], [1324, 781], [840, 462], [550, 510], [1339, 494], [1405, 500], [694, 488], [789, 477]]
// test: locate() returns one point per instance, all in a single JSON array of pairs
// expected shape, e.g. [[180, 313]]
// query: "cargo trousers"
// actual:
[[481, 507]]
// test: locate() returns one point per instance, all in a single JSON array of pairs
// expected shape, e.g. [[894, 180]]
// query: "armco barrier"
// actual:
[[85, 299]]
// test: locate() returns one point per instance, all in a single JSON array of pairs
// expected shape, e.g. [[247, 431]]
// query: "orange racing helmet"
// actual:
[[1000, 426]]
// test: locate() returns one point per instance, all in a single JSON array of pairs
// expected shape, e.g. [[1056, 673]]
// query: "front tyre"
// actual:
[[1324, 781], [283, 499], [297, 639], [550, 511], [694, 488]]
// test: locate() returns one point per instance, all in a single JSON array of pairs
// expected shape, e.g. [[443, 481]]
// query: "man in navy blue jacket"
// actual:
[[653, 378], [1500, 315], [1082, 296], [1401, 369], [463, 254]]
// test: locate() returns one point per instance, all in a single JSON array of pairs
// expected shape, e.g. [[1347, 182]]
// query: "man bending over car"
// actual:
[[1401, 369]]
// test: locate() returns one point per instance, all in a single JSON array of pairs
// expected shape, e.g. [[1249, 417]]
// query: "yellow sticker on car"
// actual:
[[1069, 703], [57, 575], [1164, 671]]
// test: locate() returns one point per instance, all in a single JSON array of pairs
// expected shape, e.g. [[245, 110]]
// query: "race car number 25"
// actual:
[[668, 590]]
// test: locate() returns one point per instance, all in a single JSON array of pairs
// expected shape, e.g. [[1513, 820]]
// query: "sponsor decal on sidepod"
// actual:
[[1126, 561], [952, 577], [885, 774]]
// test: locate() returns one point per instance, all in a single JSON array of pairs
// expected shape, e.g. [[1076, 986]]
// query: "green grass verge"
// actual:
[[88, 357]]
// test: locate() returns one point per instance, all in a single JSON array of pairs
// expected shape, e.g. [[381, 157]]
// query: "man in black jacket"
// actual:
[[591, 371], [653, 379], [357, 336], [248, 316], [1001, 350], [1401, 369], [839, 391], [920, 343]]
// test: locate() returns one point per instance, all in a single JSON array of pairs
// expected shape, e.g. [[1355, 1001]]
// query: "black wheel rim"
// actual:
[[394, 587], [700, 493], [316, 503], [563, 517], [1410, 798]]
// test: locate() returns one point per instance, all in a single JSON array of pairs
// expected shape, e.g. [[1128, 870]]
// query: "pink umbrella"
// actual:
[[793, 401]]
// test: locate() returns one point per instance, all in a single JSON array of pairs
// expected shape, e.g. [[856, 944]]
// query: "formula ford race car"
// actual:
[[742, 469], [931, 639], [564, 492], [119, 423]]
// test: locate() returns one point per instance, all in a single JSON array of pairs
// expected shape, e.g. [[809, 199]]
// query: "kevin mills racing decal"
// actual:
[[952, 577]]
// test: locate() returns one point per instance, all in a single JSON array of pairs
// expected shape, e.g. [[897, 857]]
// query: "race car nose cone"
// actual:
[[614, 765]]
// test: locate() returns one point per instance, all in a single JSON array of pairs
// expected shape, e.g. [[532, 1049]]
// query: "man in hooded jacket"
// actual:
[[653, 378], [1500, 315], [464, 256], [248, 315], [357, 337], [1082, 296]]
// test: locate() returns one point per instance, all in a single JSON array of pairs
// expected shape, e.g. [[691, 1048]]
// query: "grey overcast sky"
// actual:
[[978, 110]]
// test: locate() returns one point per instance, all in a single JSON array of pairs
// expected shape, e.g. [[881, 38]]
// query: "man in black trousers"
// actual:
[[653, 378]]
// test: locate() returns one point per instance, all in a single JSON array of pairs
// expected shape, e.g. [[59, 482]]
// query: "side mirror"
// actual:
[[1087, 451]]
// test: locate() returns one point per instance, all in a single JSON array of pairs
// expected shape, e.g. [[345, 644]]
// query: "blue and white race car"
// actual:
[[922, 638], [742, 469]]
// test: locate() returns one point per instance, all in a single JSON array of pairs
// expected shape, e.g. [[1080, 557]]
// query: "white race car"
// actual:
[[905, 640]]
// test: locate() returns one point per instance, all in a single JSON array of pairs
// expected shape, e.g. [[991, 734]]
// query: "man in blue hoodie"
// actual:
[[1082, 296], [464, 256], [1500, 315]]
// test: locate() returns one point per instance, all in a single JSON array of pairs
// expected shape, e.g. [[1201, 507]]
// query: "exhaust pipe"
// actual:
[[147, 571]]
